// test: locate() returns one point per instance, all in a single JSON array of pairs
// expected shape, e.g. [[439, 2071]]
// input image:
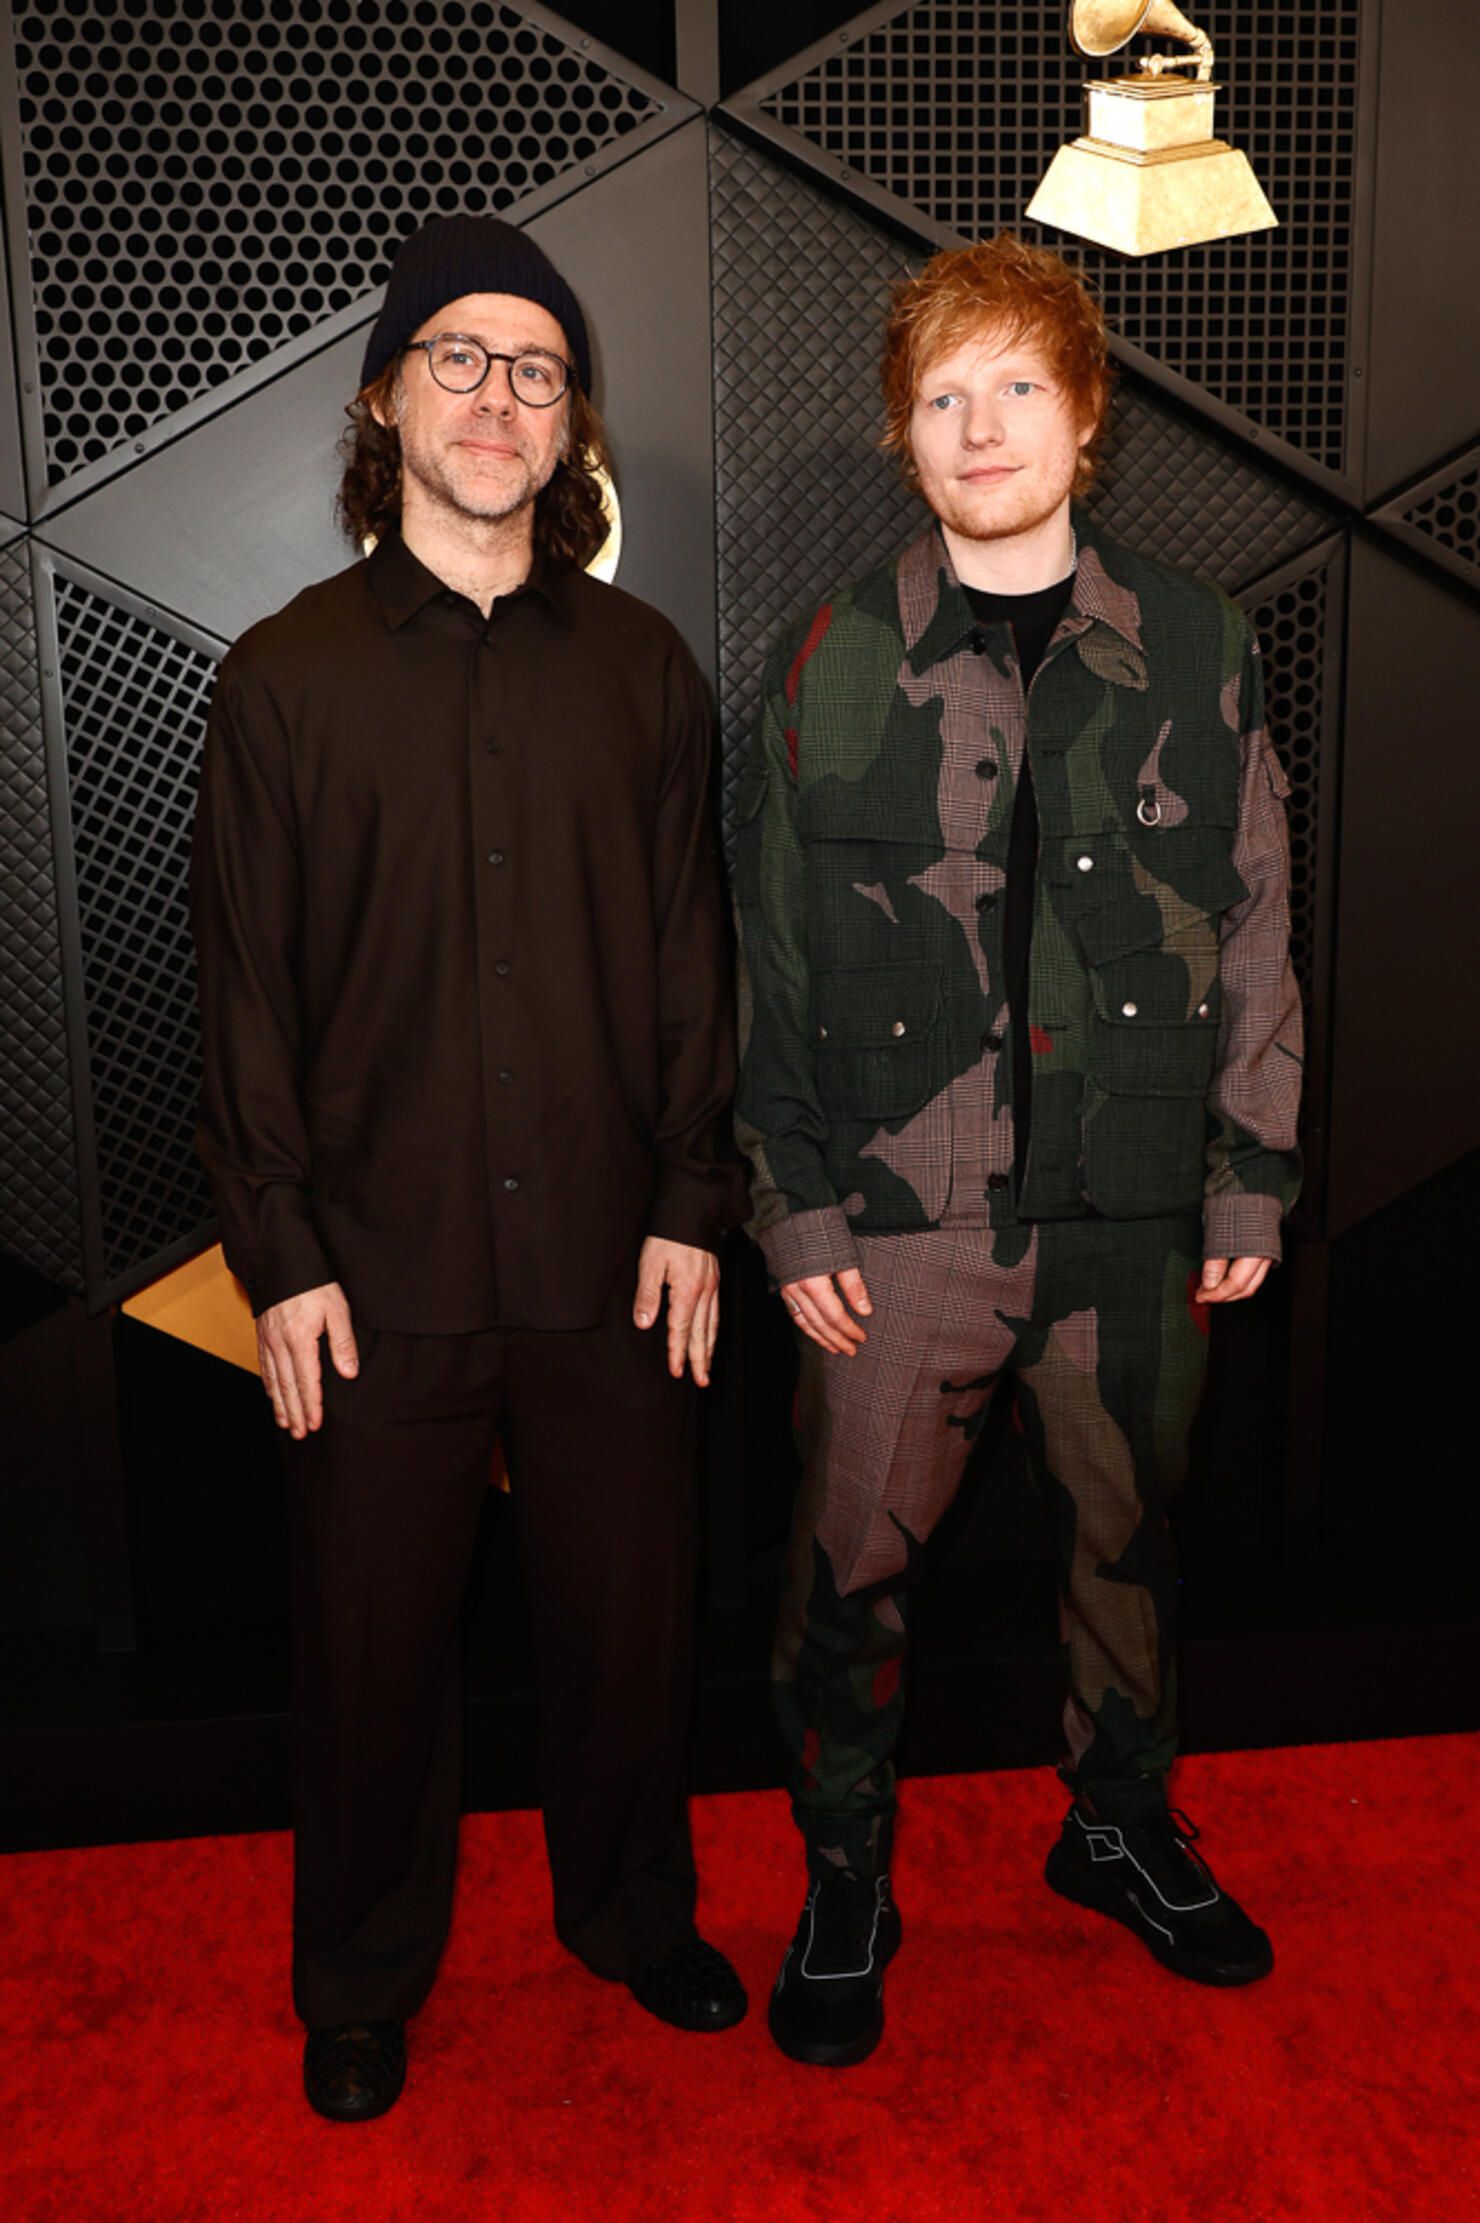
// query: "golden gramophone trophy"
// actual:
[[1148, 174]]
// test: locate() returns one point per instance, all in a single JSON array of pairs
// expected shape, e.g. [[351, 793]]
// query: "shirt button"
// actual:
[[501, 967], [991, 1041], [1202, 1011], [491, 747], [495, 856], [510, 1182], [986, 902], [898, 1027], [978, 643], [1085, 864], [822, 1034], [996, 1180], [506, 1077], [1129, 1010], [986, 769]]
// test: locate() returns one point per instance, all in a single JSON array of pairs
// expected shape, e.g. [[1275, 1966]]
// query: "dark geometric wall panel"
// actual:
[[957, 110], [40, 1226], [204, 182], [804, 498], [1407, 941], [1178, 490], [1442, 516], [634, 245], [134, 699]]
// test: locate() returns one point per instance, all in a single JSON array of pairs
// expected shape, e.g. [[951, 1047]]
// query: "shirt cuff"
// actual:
[[697, 1208], [299, 1264], [808, 1243], [1240, 1225]]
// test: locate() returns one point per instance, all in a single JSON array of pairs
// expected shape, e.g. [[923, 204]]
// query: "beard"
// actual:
[[462, 485], [1018, 505]]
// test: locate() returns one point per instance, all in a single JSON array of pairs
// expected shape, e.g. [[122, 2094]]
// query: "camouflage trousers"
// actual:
[[1094, 1318]]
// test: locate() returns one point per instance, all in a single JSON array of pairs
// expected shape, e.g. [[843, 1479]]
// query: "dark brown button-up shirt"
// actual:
[[463, 988]]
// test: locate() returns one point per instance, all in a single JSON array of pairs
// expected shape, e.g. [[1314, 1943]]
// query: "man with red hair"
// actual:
[[1019, 1092]]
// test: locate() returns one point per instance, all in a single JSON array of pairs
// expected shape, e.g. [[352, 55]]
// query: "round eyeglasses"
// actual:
[[459, 364]]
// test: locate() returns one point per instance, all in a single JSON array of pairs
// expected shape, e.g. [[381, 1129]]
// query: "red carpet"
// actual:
[[1037, 2063]]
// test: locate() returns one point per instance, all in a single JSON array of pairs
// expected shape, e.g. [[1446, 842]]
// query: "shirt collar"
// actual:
[[402, 584], [938, 620]]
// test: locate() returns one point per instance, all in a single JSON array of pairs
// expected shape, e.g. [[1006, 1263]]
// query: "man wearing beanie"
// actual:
[[467, 1059]]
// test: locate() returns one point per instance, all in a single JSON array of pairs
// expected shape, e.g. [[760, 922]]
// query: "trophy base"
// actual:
[[1148, 203]]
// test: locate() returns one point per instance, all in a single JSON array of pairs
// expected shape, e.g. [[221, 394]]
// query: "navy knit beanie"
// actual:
[[454, 255]]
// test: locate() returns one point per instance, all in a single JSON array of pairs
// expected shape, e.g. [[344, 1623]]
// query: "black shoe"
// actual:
[[828, 2005], [356, 2070], [1148, 1877], [692, 1986]]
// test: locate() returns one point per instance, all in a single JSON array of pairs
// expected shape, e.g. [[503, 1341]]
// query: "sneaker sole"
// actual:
[[1063, 1877], [828, 2056]]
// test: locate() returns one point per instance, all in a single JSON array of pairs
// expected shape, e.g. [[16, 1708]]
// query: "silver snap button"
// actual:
[[1202, 1011], [1085, 864], [898, 1027], [1129, 1010], [822, 1034]]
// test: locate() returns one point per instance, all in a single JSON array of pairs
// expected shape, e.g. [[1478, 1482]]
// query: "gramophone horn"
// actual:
[[1098, 27]]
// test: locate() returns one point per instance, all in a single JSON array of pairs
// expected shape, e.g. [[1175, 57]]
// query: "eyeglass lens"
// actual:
[[460, 365]]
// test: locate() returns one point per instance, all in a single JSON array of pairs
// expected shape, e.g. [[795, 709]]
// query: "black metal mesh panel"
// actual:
[[1291, 625], [959, 109], [135, 701], [804, 499], [207, 178], [39, 1223], [1450, 515]]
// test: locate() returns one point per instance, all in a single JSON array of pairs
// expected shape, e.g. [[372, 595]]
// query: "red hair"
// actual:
[[1005, 290]]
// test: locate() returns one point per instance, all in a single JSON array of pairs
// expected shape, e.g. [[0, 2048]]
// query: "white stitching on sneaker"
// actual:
[[837, 1975], [1106, 1842], [1151, 1918]]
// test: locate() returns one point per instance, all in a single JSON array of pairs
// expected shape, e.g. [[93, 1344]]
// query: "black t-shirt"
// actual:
[[1033, 618]]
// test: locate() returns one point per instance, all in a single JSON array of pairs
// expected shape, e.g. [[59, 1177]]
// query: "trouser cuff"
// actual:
[[860, 1843]]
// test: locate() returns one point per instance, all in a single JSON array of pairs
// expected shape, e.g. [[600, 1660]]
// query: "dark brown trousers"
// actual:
[[385, 1498]]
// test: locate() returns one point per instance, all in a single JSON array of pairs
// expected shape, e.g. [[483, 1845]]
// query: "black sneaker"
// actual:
[[828, 2005], [1147, 1876]]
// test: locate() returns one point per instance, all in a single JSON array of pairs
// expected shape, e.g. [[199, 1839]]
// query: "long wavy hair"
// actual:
[[569, 519]]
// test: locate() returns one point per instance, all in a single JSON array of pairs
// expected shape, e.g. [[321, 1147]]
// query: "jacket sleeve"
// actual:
[[798, 1218], [700, 1185], [1254, 1163], [245, 899]]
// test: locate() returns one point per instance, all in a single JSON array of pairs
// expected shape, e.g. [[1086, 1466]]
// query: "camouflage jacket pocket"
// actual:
[[877, 1036], [1145, 1126]]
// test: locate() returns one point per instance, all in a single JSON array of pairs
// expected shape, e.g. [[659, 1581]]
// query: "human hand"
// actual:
[[821, 1312], [1225, 1281], [288, 1352], [691, 1277]]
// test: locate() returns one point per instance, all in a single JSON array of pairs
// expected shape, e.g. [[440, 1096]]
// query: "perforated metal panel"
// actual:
[[805, 501], [39, 1222], [206, 179], [1442, 516], [957, 111], [134, 700]]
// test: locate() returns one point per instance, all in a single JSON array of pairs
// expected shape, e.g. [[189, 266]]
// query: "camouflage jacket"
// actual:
[[1164, 1022]]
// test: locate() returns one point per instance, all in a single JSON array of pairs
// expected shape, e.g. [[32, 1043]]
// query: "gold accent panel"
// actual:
[[203, 1303]]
